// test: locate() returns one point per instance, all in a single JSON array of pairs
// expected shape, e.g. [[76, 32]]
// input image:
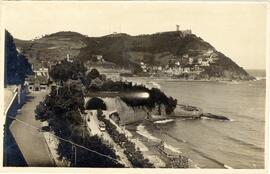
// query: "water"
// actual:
[[217, 144]]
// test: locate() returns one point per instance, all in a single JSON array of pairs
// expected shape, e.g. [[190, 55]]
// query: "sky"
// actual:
[[236, 29]]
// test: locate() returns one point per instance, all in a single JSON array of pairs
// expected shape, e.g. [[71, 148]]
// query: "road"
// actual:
[[93, 126], [30, 141]]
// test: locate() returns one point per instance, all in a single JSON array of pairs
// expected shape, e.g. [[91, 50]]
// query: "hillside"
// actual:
[[171, 51], [52, 47]]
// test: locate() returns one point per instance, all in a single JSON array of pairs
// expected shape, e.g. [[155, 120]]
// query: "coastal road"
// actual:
[[30, 141], [94, 127]]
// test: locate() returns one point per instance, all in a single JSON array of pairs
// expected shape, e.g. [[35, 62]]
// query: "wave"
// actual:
[[239, 141], [207, 118], [260, 78], [212, 159], [250, 118], [227, 167], [164, 121], [142, 131], [230, 82], [191, 146], [242, 142], [154, 84], [175, 138]]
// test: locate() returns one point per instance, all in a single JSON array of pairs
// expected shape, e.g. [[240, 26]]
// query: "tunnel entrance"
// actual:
[[95, 104]]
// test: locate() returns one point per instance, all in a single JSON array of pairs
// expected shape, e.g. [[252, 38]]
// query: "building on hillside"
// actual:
[[159, 68], [212, 59], [208, 53], [205, 63], [98, 57], [36, 83], [41, 71], [185, 56], [69, 59], [113, 74], [200, 61], [177, 28], [190, 60], [186, 69], [197, 69], [186, 32]]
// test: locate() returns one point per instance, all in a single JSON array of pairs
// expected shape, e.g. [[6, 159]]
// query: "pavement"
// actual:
[[30, 141]]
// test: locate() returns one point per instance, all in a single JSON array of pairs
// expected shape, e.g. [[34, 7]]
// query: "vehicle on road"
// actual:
[[102, 126]]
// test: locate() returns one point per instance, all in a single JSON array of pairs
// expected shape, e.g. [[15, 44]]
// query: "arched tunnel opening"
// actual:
[[95, 104]]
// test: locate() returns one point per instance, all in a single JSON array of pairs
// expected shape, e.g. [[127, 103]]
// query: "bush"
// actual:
[[134, 155]]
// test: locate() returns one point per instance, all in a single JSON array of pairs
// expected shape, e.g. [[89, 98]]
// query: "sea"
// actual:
[[208, 143]]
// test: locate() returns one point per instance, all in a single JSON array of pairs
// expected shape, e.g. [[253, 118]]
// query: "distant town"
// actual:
[[182, 65]]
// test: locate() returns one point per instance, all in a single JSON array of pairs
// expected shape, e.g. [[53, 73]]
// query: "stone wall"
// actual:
[[127, 114]]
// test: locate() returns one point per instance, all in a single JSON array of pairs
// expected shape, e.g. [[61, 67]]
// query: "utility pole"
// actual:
[[75, 155], [57, 89]]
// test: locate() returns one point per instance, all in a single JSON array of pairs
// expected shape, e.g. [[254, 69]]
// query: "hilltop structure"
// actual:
[[155, 51]]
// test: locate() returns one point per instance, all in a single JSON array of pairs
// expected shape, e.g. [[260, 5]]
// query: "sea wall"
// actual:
[[11, 101], [127, 114]]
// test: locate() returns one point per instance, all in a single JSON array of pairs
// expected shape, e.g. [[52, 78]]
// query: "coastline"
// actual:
[[151, 143], [193, 80]]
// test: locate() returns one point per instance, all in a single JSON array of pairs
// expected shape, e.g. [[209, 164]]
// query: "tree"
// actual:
[[65, 120], [99, 113], [94, 73], [68, 70]]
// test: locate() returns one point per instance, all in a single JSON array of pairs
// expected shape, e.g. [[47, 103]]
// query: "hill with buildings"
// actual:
[[175, 54]]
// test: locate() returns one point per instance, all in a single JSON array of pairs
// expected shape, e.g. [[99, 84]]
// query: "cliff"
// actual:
[[16, 64], [164, 49]]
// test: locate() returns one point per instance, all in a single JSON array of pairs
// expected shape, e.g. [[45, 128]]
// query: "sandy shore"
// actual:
[[151, 143]]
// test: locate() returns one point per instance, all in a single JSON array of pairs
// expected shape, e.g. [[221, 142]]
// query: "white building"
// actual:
[[190, 60], [185, 56], [44, 72], [205, 63], [200, 61], [186, 69], [98, 57], [69, 59]]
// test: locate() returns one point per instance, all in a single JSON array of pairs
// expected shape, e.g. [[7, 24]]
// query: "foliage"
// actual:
[[156, 96], [67, 70], [94, 73], [63, 112]]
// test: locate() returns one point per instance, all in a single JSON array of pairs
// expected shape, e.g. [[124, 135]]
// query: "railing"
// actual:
[[15, 95]]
